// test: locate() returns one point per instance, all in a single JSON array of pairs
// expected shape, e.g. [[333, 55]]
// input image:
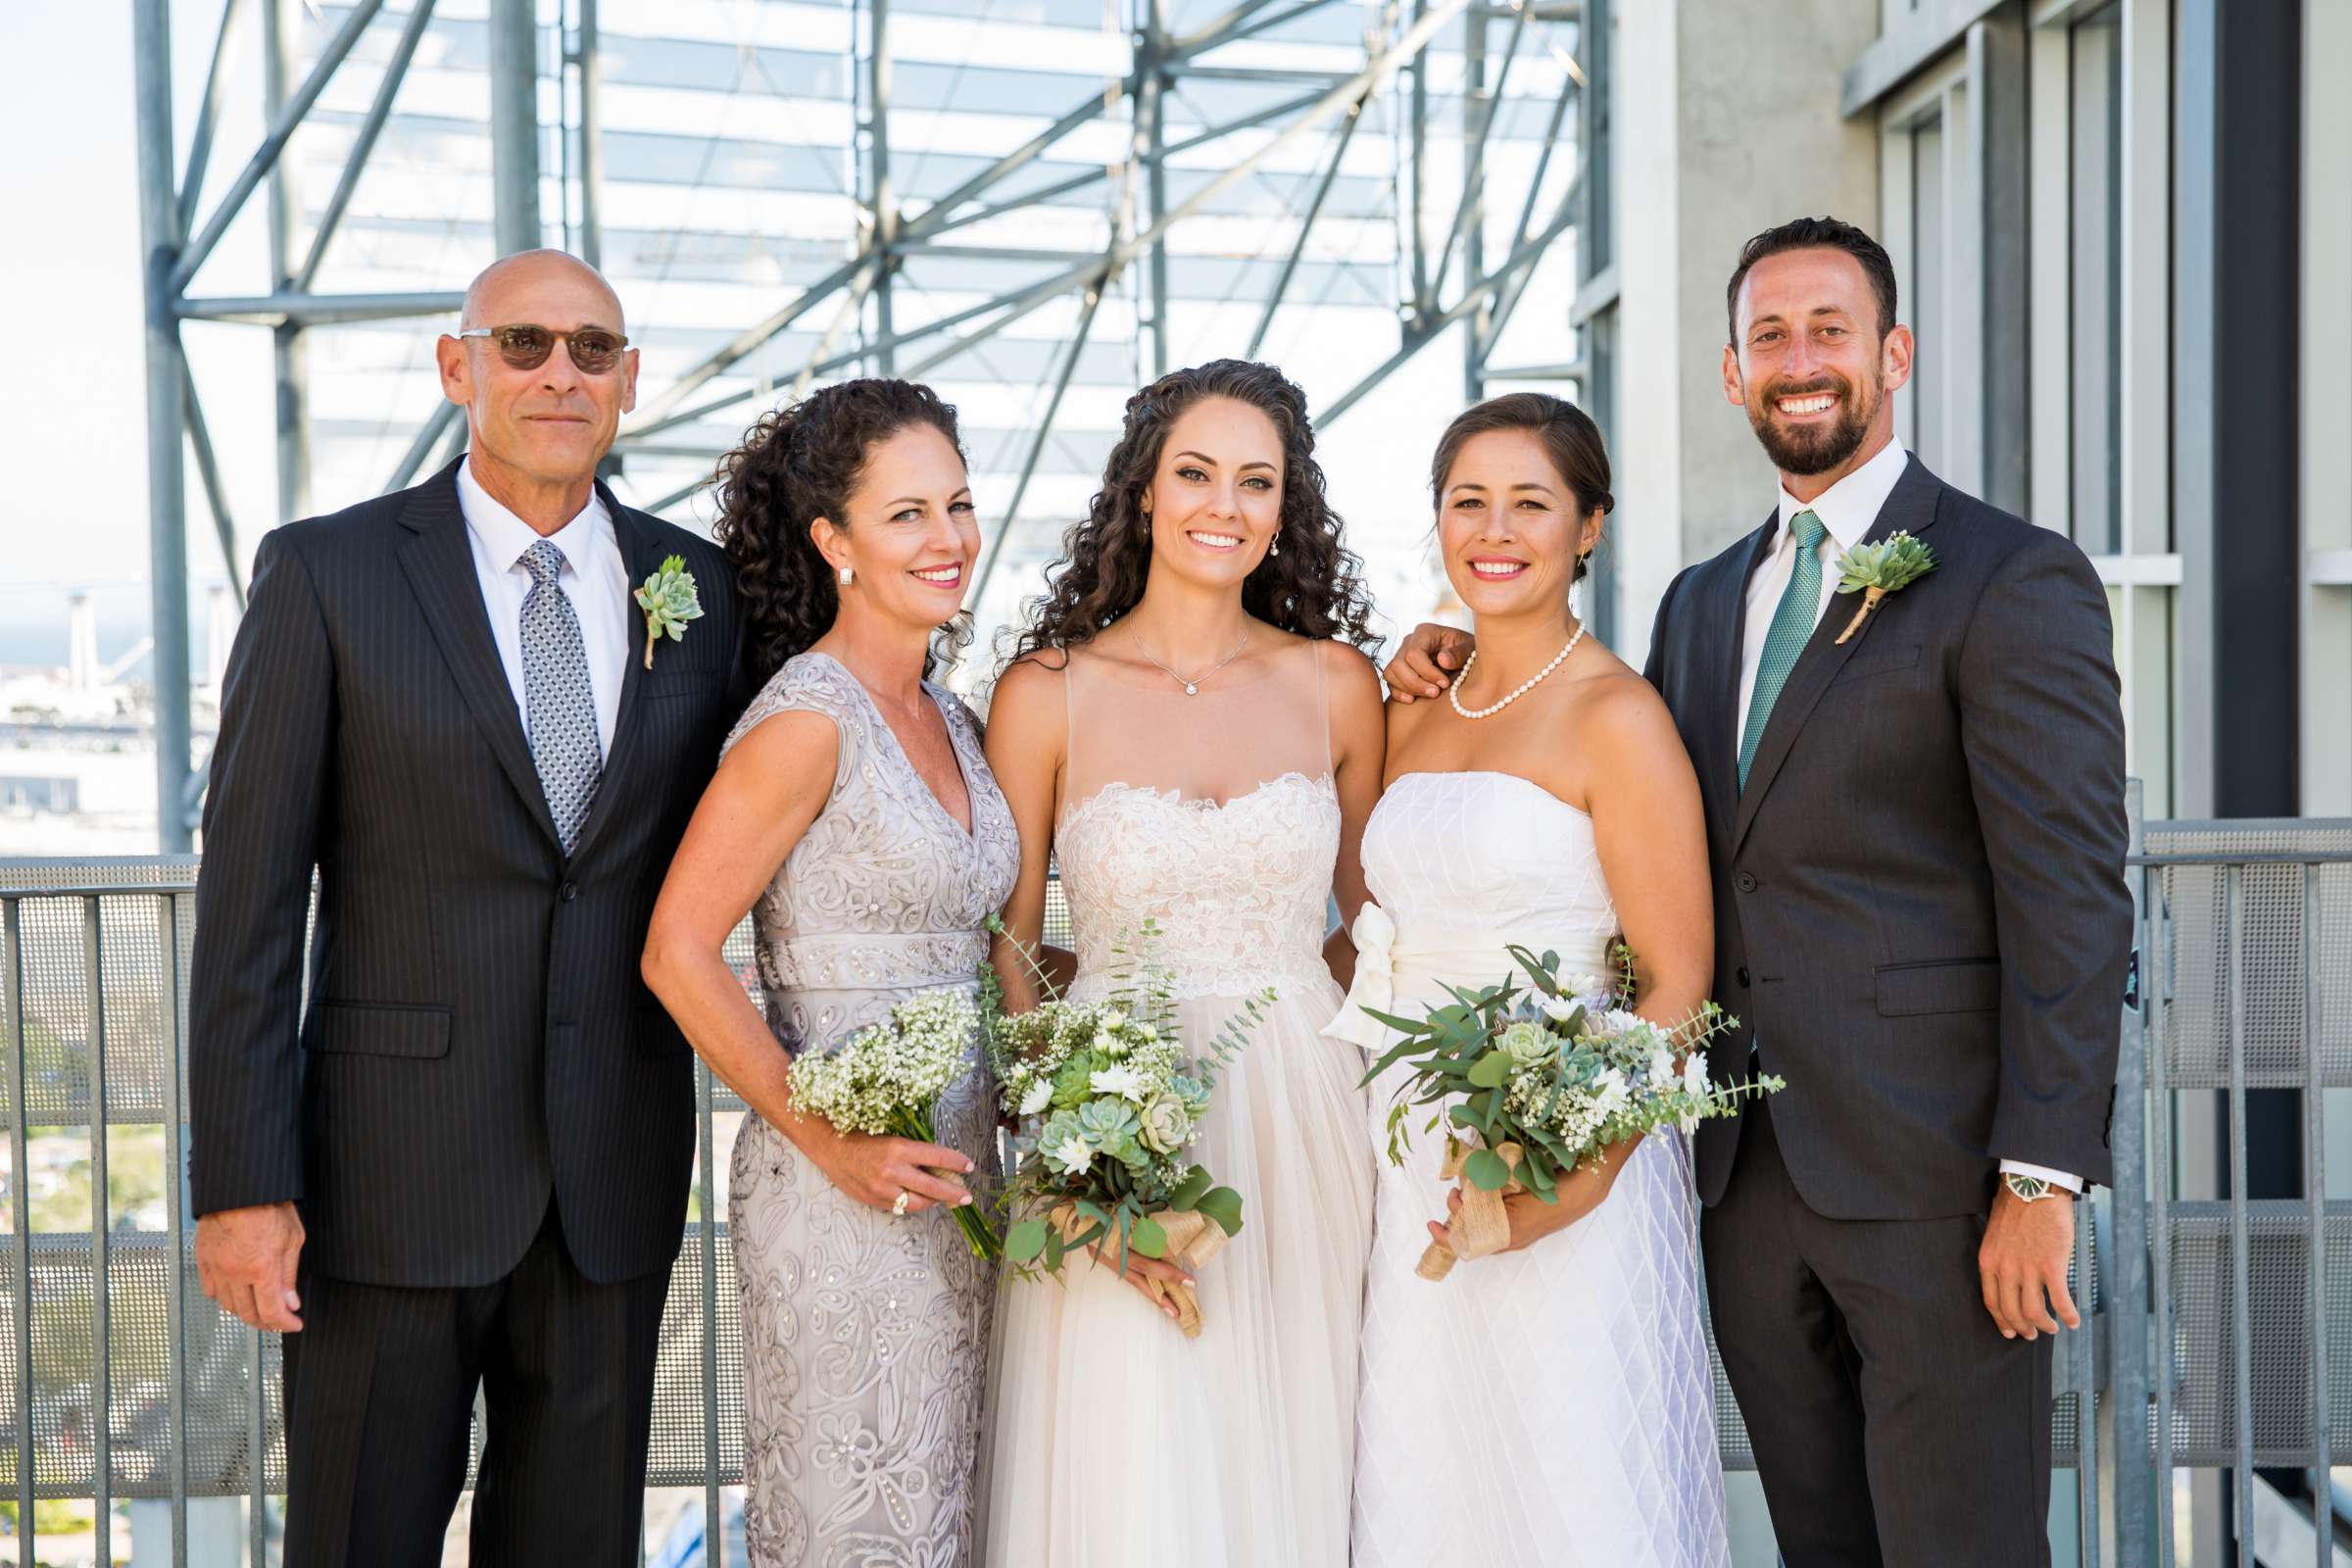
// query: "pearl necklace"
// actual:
[[1453, 693]]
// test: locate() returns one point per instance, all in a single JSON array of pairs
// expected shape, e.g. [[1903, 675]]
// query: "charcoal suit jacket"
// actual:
[[470, 1041], [1920, 905]]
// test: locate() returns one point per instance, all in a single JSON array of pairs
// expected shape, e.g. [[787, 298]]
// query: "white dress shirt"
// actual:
[[594, 578], [1848, 510]]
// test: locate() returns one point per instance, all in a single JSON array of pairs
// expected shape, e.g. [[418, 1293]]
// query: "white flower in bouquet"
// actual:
[[1072, 1156], [1695, 1073], [1124, 1081], [1662, 1069], [1035, 1098], [1559, 1010]]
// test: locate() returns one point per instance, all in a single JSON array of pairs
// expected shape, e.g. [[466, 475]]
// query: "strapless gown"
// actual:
[[1553, 1405], [1114, 1439]]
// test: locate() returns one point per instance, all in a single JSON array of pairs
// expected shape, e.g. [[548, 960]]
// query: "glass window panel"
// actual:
[[2098, 282], [1928, 240]]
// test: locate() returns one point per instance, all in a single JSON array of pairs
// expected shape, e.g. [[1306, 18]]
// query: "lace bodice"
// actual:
[[886, 893], [1462, 853], [1237, 890]]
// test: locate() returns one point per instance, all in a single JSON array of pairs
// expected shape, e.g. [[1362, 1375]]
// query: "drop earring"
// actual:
[[1275, 549], [848, 576]]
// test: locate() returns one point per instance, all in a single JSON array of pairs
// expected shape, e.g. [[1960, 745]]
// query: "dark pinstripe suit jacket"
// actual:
[[476, 1038], [1920, 903]]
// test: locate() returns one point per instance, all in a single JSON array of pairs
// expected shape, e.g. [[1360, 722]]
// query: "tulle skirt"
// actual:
[[1113, 1439]]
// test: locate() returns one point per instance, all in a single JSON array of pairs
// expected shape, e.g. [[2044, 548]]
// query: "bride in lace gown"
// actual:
[[1200, 753], [854, 818], [1551, 1403]]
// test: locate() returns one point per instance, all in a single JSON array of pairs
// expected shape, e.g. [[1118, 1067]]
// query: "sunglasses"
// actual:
[[594, 350]]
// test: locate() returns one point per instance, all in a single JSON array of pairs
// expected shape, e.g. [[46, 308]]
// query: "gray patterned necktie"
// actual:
[[560, 703]]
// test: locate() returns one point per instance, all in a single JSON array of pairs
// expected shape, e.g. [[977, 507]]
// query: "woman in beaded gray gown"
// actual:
[[854, 818]]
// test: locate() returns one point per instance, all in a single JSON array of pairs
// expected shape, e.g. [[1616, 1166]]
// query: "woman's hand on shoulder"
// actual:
[[1427, 660]]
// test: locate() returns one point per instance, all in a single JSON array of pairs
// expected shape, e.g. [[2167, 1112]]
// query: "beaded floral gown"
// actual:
[[865, 1337], [1114, 1439]]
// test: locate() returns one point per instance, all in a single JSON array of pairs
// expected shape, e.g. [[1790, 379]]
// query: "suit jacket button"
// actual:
[[569, 892], [1742, 977], [1744, 882]]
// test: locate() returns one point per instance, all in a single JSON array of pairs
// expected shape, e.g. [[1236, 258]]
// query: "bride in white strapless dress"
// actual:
[[1197, 767], [1551, 1403]]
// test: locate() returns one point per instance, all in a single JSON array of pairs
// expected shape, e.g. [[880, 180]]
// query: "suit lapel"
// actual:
[[438, 559], [1910, 505], [640, 554], [1724, 618]]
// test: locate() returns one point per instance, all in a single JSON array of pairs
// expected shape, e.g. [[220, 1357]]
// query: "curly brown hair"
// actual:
[[795, 464], [1314, 587]]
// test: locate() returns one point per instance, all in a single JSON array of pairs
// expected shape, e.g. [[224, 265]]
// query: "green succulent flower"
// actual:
[[1875, 571], [670, 601]]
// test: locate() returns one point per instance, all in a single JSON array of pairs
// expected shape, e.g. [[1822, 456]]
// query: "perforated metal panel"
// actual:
[[2199, 972], [2204, 1363]]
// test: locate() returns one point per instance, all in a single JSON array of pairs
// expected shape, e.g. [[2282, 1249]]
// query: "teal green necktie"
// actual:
[[1792, 628]]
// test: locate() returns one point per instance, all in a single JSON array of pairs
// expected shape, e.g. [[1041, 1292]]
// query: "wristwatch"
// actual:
[[2031, 1189]]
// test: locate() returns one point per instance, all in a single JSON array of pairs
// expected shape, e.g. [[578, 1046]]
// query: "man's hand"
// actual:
[[1423, 667], [246, 1258], [2022, 1264]]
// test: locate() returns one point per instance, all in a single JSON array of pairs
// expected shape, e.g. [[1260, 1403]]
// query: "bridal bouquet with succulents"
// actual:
[[885, 1079], [1105, 1101], [1531, 1080]]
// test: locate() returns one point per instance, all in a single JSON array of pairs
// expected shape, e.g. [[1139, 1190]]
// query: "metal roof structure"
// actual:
[[1034, 203]]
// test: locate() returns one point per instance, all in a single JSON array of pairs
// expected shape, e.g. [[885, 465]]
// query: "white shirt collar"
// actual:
[[507, 537], [1850, 507]]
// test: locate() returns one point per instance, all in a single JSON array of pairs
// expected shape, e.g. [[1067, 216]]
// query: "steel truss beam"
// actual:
[[863, 332]]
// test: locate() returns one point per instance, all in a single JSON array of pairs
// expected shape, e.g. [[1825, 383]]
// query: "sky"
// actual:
[[73, 415], [72, 420]]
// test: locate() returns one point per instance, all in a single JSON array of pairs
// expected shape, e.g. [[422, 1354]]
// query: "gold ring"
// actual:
[[898, 1207]]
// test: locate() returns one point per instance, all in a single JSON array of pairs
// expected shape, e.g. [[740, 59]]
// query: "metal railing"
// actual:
[[2214, 1316]]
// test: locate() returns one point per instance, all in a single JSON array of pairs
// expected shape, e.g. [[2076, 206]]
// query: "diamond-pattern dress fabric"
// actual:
[[560, 703], [864, 1336], [1792, 621], [1553, 1405]]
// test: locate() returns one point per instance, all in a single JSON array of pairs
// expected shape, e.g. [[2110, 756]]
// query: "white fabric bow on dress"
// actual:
[[1375, 986]]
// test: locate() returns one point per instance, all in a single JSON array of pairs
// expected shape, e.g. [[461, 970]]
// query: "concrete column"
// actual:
[[1726, 122]]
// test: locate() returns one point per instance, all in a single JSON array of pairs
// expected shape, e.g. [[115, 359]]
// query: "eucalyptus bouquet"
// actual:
[[1531, 1080], [1105, 1103], [884, 1080]]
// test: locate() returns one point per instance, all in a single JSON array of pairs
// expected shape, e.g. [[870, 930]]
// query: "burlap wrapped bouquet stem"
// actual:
[[1193, 1239], [1484, 1226]]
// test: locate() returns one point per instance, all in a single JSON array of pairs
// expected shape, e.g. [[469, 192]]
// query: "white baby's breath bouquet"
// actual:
[[1107, 1102], [1531, 1080], [885, 1079]]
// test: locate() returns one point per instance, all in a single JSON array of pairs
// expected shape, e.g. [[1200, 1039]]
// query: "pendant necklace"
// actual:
[[1453, 693], [1191, 687]]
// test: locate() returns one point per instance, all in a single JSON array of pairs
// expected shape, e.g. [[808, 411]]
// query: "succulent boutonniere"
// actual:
[[1877, 570], [670, 601]]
